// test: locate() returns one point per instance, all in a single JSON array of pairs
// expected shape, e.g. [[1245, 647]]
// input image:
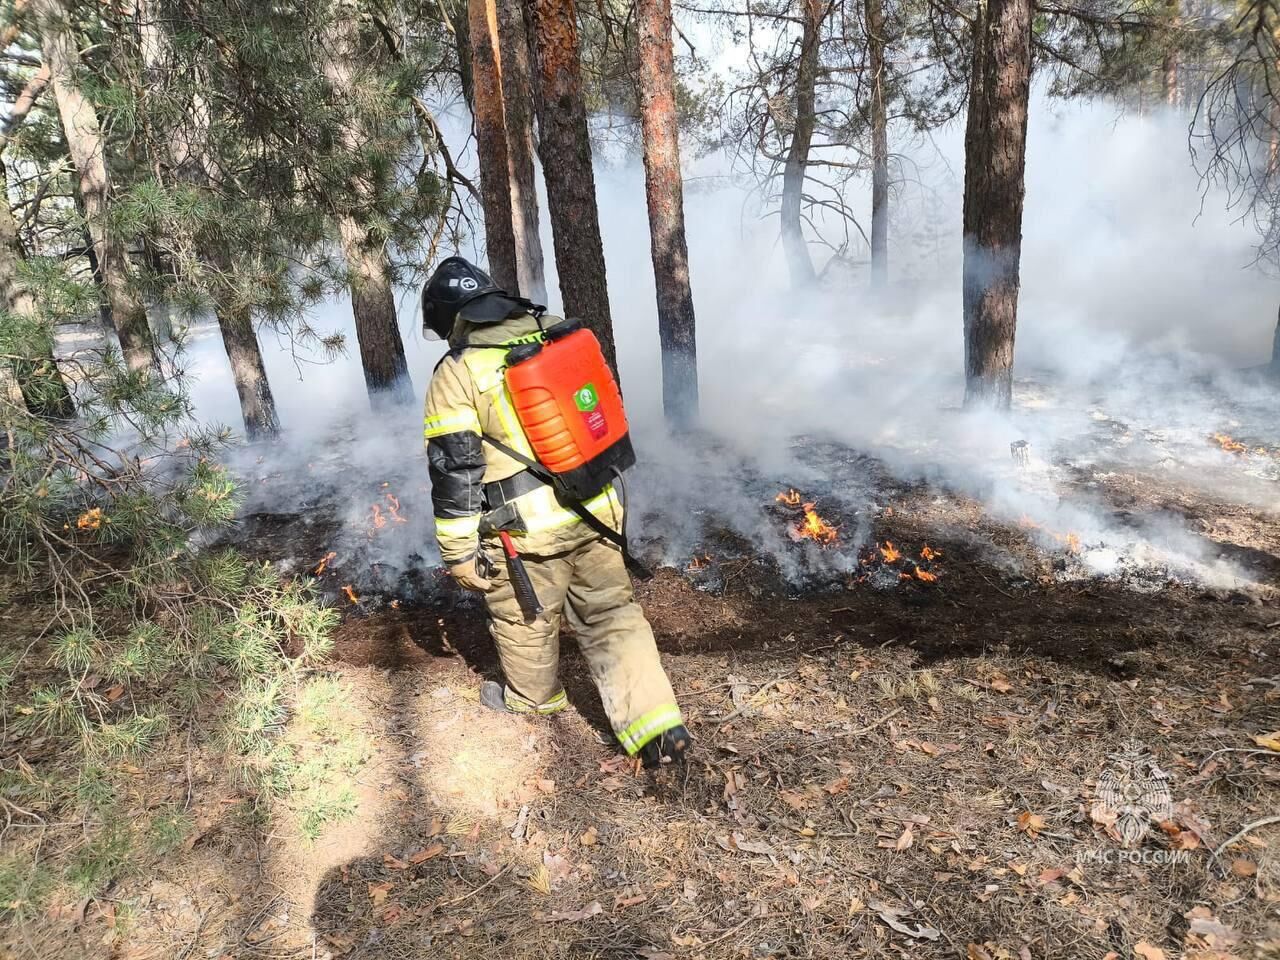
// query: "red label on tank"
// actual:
[[596, 423]]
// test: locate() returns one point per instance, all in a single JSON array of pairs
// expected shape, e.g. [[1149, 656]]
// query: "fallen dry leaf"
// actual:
[[394, 862], [1243, 867], [1148, 951], [378, 892], [1270, 741], [589, 838], [572, 916], [426, 853], [904, 842], [1030, 823]]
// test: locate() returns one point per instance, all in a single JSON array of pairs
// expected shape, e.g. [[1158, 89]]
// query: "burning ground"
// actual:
[[908, 687], [905, 697]]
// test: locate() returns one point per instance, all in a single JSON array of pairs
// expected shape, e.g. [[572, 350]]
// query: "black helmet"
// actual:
[[460, 288]]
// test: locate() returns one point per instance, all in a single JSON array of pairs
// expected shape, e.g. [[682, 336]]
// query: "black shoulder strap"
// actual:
[[577, 506]]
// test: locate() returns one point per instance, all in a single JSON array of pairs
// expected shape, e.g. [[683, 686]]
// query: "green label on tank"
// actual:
[[586, 398]]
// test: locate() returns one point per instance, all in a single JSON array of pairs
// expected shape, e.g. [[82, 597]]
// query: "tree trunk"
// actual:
[[664, 190], [564, 146], [88, 153], [491, 143], [43, 390], [995, 163], [462, 47], [1275, 349], [257, 405], [1169, 68], [373, 303], [793, 172], [879, 147], [517, 89]]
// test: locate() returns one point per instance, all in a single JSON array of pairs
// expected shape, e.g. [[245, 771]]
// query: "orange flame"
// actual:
[[791, 498], [1229, 444], [814, 527], [351, 594], [379, 521], [90, 519], [698, 563], [925, 576], [323, 565], [394, 509], [928, 553], [890, 553]]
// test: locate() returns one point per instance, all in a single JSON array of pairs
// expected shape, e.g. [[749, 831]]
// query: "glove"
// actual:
[[468, 576]]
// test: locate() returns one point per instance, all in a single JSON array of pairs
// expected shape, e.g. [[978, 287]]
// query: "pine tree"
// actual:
[[664, 189]]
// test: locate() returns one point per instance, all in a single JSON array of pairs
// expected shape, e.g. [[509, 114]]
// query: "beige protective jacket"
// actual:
[[468, 399]]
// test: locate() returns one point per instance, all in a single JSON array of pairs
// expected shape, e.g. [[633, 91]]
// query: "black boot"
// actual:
[[668, 747], [492, 695]]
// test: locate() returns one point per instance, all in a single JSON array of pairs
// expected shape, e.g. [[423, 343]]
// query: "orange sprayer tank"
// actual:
[[570, 408]]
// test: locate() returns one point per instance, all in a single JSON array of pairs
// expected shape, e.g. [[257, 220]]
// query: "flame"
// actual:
[[791, 498], [890, 553], [1228, 444], [698, 563], [351, 594], [323, 565], [928, 553], [925, 576], [1072, 540], [91, 519], [379, 518], [394, 508], [814, 527]]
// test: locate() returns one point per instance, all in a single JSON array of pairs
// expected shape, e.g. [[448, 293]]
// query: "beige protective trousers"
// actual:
[[589, 585]]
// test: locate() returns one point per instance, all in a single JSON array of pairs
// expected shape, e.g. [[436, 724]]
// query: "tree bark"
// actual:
[[373, 303], [43, 390], [793, 171], [88, 153], [1275, 349], [1169, 67], [879, 147], [994, 184], [491, 143], [664, 191], [564, 146], [517, 89], [240, 340]]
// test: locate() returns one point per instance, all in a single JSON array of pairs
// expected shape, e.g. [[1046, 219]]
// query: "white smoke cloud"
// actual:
[[1137, 301]]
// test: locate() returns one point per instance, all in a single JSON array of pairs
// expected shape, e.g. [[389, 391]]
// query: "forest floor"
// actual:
[[884, 767]]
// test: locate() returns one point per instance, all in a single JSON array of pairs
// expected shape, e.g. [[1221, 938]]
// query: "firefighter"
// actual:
[[477, 490]]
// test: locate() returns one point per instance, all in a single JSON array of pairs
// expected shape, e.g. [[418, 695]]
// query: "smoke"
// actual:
[[1139, 301]]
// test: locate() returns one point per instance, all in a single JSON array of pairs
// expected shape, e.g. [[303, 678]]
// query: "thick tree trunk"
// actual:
[[38, 379], [995, 163], [491, 143], [373, 303], [386, 373], [257, 405], [664, 190], [564, 146], [793, 171], [88, 153], [462, 48], [879, 147], [517, 93]]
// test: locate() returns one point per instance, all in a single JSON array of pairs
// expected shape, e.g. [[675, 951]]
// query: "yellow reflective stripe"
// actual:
[[510, 424], [457, 528], [518, 704], [652, 724], [454, 421], [538, 522]]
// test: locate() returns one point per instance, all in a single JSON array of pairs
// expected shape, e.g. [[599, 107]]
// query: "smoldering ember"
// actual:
[[634, 480]]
